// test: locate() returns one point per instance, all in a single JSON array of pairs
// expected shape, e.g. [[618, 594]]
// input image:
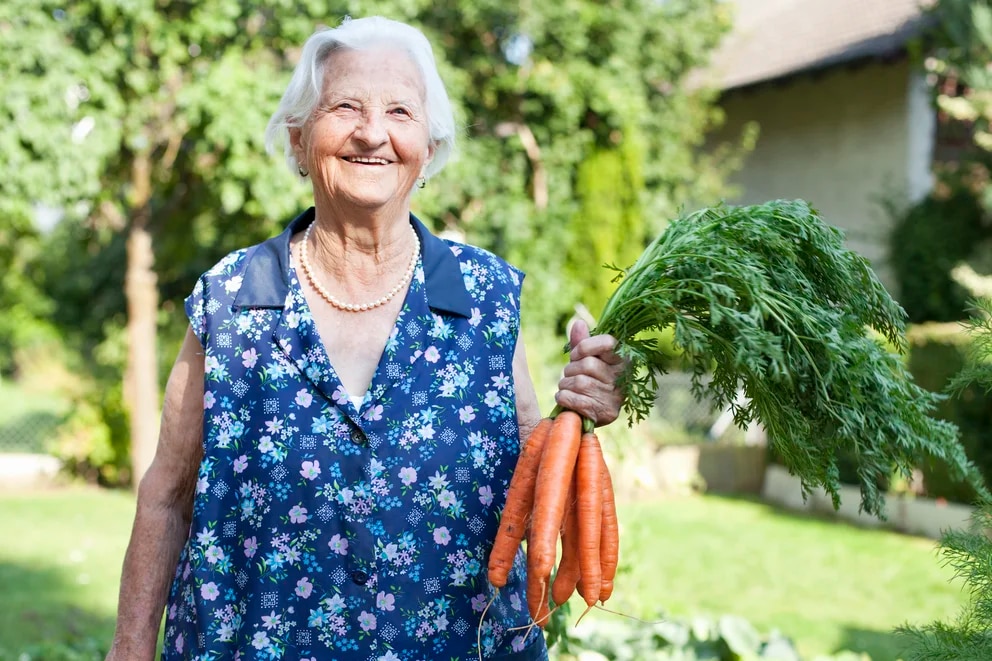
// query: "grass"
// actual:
[[829, 586], [60, 563]]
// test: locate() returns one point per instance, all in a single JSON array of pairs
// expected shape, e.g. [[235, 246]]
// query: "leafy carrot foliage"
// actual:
[[767, 301]]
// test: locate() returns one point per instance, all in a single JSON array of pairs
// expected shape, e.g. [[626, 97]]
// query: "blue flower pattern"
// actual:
[[324, 531]]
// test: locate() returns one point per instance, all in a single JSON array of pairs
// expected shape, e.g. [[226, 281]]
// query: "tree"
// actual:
[[152, 114]]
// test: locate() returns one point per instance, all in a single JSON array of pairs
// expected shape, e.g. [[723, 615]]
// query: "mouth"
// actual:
[[366, 160]]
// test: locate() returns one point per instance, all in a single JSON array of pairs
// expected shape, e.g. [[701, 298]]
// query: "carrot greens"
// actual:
[[767, 301]]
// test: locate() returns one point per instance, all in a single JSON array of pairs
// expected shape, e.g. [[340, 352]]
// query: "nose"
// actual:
[[371, 128]]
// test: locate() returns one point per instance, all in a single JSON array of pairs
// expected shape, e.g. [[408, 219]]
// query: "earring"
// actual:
[[303, 173], [421, 181]]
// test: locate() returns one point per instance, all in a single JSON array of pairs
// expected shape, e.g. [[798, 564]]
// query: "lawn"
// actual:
[[60, 564], [827, 585]]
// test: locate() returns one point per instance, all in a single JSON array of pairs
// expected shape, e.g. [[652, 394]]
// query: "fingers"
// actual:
[[602, 406], [588, 387], [578, 333], [598, 346], [588, 383]]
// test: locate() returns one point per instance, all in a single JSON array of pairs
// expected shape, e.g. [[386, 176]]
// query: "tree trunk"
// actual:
[[140, 288]]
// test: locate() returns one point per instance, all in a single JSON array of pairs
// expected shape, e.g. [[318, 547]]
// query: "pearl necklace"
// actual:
[[357, 307]]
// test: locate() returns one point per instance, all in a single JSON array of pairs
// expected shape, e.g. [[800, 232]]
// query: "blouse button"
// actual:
[[357, 436], [359, 577]]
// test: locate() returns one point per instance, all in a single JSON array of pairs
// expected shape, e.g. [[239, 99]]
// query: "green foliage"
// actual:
[[727, 638], [115, 109], [23, 324], [969, 638], [927, 242], [968, 552], [957, 65], [84, 649], [936, 359], [770, 299], [609, 226]]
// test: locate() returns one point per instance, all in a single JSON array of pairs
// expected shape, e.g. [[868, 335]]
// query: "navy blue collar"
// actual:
[[266, 280]]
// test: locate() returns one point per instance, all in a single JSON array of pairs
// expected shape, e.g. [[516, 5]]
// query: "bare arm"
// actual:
[[164, 510], [528, 410]]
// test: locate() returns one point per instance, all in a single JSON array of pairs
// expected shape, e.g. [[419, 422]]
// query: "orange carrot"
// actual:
[[537, 594], [519, 501], [551, 490], [568, 568], [589, 478], [609, 545]]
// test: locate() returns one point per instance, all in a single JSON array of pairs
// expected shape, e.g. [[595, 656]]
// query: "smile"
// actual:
[[366, 160]]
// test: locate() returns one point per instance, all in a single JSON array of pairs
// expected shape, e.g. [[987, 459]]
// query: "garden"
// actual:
[[824, 586], [141, 193]]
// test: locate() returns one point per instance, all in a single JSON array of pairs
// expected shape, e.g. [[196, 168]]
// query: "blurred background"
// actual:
[[131, 160]]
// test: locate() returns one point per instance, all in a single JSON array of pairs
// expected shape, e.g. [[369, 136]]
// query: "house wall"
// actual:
[[845, 140]]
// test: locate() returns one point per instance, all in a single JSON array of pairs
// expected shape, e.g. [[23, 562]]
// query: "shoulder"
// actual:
[[481, 266], [226, 276]]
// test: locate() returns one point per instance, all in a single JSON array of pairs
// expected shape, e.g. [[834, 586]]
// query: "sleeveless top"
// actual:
[[327, 531]]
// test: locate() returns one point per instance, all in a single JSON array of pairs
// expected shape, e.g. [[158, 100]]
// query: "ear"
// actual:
[[296, 143], [430, 153]]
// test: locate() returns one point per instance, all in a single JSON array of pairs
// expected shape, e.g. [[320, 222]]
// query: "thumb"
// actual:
[[578, 332]]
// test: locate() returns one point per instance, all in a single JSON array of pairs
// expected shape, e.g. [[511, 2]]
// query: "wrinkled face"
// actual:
[[367, 141]]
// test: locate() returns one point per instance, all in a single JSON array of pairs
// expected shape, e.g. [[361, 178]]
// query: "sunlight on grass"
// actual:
[[827, 585], [60, 564]]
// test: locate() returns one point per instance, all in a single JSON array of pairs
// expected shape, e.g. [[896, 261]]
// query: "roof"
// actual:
[[773, 39]]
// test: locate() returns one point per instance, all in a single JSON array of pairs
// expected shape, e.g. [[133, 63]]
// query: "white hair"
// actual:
[[303, 92]]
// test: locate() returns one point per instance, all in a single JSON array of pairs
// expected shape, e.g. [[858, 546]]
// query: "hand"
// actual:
[[588, 383]]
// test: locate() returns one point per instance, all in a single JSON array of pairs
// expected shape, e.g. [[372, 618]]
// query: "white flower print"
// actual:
[[385, 602], [466, 414], [260, 640], [408, 475], [304, 398]]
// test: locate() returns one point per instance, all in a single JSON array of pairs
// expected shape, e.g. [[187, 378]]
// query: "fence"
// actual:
[[28, 418]]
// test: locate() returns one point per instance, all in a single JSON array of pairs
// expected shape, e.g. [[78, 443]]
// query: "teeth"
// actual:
[[363, 159]]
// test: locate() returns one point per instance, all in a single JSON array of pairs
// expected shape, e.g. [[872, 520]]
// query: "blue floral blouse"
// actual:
[[324, 531]]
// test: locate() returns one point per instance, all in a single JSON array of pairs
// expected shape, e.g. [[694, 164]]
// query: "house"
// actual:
[[845, 119]]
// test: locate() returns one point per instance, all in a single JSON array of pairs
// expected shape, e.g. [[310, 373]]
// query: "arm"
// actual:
[[164, 510], [528, 410]]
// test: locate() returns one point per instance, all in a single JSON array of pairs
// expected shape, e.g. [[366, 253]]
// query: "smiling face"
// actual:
[[367, 141]]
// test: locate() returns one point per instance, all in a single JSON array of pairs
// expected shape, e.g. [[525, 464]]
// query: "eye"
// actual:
[[401, 111]]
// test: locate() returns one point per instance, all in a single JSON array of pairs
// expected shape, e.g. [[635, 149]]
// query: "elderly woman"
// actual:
[[345, 413]]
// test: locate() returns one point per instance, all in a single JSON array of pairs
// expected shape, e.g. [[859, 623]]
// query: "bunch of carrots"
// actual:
[[765, 299], [561, 488]]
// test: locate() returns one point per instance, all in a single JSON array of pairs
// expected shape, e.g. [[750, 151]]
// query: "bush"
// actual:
[[927, 242], [937, 353]]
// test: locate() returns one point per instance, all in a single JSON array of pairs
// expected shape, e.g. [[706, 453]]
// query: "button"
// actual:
[[357, 436], [359, 577]]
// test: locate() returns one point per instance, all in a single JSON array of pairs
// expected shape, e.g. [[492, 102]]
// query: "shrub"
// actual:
[[937, 353], [927, 242]]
